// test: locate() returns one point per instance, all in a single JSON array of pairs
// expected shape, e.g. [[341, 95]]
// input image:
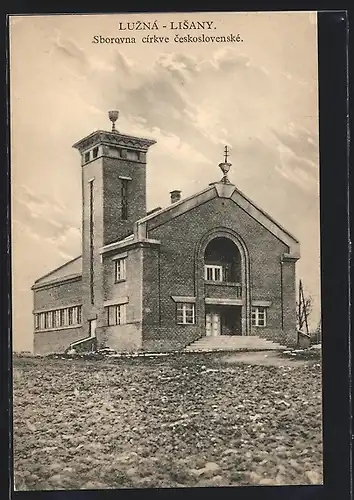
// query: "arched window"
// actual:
[[222, 261]]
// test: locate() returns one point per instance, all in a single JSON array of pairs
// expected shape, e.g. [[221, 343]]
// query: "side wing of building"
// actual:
[[220, 260], [57, 308]]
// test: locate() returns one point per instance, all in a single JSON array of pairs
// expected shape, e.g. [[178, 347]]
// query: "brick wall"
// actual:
[[114, 227], [289, 300], [58, 295], [221, 291], [124, 337], [91, 311], [56, 341], [54, 297], [128, 336], [169, 339], [179, 239], [151, 291], [109, 227]]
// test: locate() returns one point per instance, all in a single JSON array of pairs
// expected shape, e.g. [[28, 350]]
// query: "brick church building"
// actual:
[[213, 264]]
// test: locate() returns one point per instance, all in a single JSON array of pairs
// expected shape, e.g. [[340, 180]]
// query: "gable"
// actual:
[[219, 190], [67, 270], [181, 236], [267, 221]]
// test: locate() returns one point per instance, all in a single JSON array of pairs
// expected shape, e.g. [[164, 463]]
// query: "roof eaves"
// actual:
[[172, 206], [57, 268]]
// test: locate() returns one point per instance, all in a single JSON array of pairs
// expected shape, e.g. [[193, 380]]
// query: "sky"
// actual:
[[258, 96]]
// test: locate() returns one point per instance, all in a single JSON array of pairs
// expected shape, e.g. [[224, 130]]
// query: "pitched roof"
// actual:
[[222, 190], [69, 270], [214, 190]]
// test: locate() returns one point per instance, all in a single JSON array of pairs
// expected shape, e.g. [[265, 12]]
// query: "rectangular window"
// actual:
[[61, 317], [120, 269], [132, 155], [42, 321], [116, 314], [213, 273], [95, 152], [66, 317], [124, 199], [79, 314], [259, 316], [74, 316], [58, 318], [185, 313], [87, 157], [70, 316], [50, 319], [91, 232]]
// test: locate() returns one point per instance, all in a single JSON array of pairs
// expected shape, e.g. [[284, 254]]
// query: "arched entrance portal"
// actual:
[[222, 260], [222, 284]]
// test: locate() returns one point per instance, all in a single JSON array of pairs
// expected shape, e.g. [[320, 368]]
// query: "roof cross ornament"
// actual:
[[226, 154], [225, 166]]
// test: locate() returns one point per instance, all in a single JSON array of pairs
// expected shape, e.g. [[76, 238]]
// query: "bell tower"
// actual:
[[113, 199]]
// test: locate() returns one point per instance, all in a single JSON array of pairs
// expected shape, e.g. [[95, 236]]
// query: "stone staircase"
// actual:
[[233, 343]]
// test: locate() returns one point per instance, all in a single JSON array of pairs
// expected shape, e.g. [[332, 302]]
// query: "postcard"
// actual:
[[165, 250]]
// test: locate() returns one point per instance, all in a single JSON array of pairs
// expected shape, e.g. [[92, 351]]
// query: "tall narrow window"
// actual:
[[66, 317], [116, 314], [74, 317], [124, 198], [70, 315], [79, 315], [49, 319], [56, 318], [120, 270], [42, 321], [61, 317], [91, 229]]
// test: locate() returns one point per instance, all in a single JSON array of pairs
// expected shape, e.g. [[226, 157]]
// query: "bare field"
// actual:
[[176, 421]]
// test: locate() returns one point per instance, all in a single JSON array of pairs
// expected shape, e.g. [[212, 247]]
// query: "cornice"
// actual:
[[57, 281], [113, 139]]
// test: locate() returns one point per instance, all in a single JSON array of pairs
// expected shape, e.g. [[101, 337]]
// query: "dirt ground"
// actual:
[[184, 420], [265, 358]]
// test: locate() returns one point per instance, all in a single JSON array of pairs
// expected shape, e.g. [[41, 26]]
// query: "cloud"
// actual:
[[70, 50], [65, 246], [43, 219], [301, 141], [181, 66], [192, 105]]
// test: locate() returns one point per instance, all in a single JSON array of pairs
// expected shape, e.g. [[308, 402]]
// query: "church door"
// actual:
[[212, 324]]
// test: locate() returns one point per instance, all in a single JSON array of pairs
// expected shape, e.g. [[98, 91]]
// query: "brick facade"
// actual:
[[53, 296], [56, 341], [164, 260], [171, 271]]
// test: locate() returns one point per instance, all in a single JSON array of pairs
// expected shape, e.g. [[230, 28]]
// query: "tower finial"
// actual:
[[226, 154], [113, 116], [225, 166]]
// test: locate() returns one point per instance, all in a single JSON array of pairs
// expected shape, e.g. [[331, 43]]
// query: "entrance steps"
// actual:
[[233, 343]]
